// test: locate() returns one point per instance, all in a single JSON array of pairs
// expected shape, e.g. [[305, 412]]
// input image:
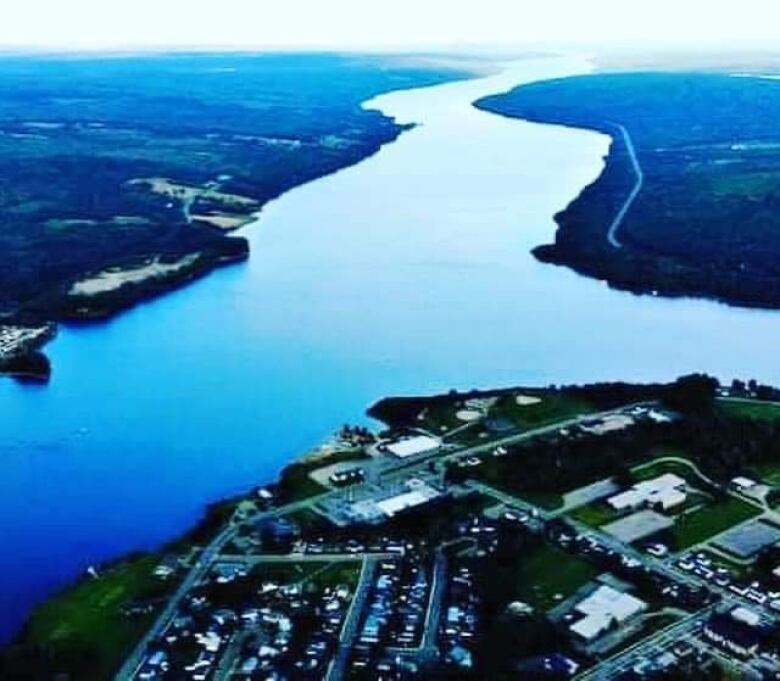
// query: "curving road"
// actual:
[[640, 180]]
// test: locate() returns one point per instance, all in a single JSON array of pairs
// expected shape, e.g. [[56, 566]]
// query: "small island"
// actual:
[[687, 202], [561, 532]]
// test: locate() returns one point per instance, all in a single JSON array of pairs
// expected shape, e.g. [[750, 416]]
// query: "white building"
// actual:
[[410, 446], [604, 608], [746, 616], [666, 491], [743, 484], [375, 510]]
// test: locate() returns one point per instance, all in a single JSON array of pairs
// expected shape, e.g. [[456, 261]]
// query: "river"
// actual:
[[407, 273]]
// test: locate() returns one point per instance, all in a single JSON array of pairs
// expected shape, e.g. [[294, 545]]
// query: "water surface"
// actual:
[[408, 273]]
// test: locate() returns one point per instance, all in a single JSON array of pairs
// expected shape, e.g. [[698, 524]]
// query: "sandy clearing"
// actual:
[[114, 278]]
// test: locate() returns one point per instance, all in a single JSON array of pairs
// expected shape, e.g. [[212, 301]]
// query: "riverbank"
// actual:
[[683, 169], [179, 402], [120, 204], [89, 628]]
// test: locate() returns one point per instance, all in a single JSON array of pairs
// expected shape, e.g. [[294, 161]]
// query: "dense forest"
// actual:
[[114, 162], [705, 221]]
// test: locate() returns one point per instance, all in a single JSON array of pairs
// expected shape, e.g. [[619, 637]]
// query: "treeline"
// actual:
[[723, 446]]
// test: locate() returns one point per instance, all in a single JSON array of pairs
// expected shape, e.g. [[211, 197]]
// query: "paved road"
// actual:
[[205, 561], [652, 645], [136, 658], [428, 650], [305, 557], [428, 646], [681, 461], [338, 666], [212, 552], [612, 236]]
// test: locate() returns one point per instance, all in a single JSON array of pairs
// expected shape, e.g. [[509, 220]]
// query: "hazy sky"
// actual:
[[367, 23]]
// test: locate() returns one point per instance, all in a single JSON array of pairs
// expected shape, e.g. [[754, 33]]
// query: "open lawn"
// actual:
[[84, 626], [696, 527], [548, 575], [595, 515], [344, 572], [296, 483], [741, 571], [750, 409], [551, 409], [768, 473]]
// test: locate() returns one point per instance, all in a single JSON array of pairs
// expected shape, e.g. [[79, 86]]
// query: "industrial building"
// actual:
[[664, 492], [411, 446], [605, 608], [413, 494]]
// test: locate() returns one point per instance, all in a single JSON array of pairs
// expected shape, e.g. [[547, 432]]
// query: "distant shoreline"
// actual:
[[107, 291], [676, 211]]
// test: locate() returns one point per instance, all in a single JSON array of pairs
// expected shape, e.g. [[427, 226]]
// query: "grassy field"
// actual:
[[768, 473], [85, 625], [551, 409], [345, 572], [749, 409], [548, 575], [744, 572], [295, 482], [696, 527], [595, 514]]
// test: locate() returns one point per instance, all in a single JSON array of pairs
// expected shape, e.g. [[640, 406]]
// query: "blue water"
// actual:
[[407, 273]]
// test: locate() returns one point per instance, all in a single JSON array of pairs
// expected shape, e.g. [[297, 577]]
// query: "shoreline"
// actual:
[[590, 249], [220, 524], [63, 307]]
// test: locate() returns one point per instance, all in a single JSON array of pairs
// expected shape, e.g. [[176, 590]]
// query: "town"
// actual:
[[415, 552], [16, 341]]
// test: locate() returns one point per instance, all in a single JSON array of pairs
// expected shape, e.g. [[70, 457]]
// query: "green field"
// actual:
[[548, 575], [748, 409], [696, 527], [553, 407], [295, 482], [595, 514], [743, 572], [84, 627], [768, 473]]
